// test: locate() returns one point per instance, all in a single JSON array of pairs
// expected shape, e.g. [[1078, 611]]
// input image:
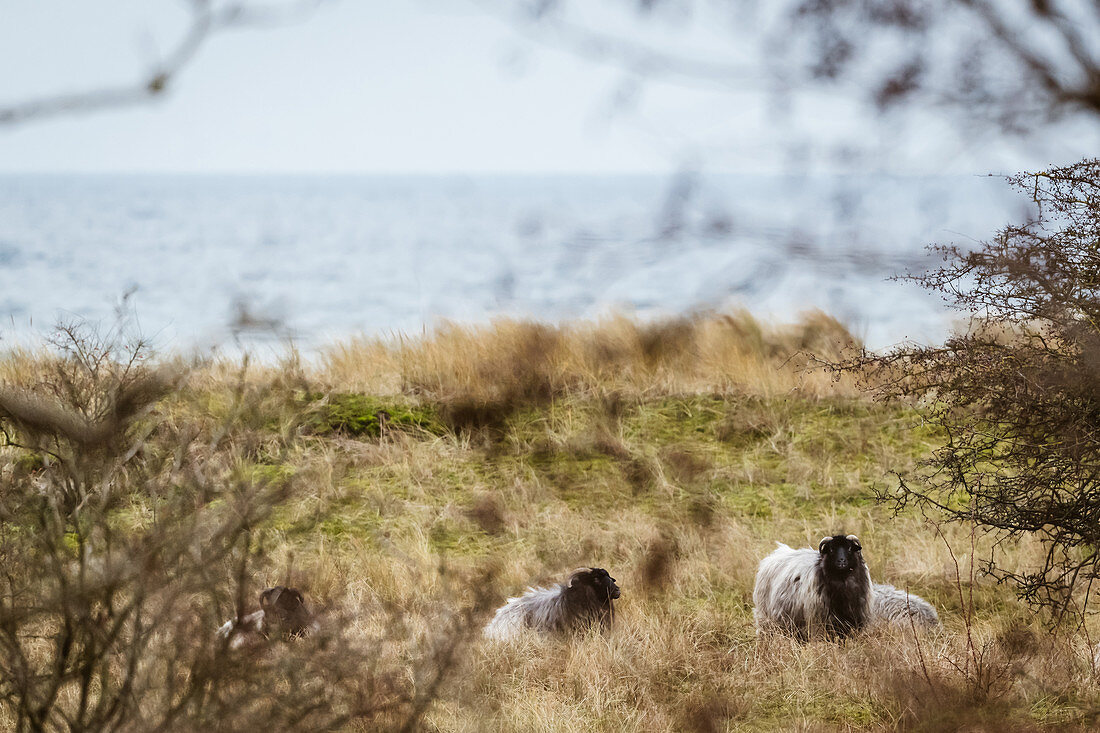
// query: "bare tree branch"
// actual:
[[631, 56], [1017, 66], [207, 18]]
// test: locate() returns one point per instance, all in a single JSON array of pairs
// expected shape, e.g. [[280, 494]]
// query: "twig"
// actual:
[[206, 21]]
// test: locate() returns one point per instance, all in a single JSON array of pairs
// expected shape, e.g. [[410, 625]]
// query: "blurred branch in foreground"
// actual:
[[1012, 66], [207, 18], [545, 21]]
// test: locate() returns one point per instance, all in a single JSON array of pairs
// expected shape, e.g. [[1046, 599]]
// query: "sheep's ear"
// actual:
[[852, 538], [824, 541]]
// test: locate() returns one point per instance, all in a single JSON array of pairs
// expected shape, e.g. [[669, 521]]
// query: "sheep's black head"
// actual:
[[598, 580], [845, 585], [285, 608], [841, 555]]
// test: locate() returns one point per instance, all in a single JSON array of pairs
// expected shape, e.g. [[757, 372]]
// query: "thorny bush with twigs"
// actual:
[[126, 535], [1018, 393]]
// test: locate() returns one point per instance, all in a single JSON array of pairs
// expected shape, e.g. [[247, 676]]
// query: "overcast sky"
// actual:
[[397, 86]]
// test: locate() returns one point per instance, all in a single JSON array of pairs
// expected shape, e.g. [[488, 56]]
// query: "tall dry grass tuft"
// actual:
[[481, 375]]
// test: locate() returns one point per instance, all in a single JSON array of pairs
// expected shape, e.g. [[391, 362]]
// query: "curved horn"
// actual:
[[852, 538], [824, 541], [577, 575]]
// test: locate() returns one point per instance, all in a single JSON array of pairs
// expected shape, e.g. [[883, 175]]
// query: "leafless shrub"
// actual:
[[134, 534], [1016, 395]]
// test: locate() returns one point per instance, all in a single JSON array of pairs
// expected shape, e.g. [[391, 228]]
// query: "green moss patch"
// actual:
[[362, 415]]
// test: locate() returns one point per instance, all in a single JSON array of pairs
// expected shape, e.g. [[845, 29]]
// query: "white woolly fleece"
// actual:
[[539, 609], [893, 605], [239, 632]]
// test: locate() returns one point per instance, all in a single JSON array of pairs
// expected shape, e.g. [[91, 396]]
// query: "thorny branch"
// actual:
[[1016, 397]]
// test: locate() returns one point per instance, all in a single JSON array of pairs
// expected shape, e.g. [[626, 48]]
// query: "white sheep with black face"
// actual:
[[586, 599], [895, 606], [814, 593]]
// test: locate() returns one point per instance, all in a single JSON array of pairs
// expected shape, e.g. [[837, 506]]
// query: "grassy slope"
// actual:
[[679, 498], [676, 459]]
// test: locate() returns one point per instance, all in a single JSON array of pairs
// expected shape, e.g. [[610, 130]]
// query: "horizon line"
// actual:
[[452, 174]]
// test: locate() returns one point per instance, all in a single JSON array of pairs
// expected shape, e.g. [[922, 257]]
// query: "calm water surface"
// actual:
[[206, 260]]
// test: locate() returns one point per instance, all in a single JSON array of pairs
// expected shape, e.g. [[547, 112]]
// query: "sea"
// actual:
[[236, 263]]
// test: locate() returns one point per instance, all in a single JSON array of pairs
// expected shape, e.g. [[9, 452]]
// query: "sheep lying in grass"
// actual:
[[282, 611], [813, 593], [586, 599], [893, 605]]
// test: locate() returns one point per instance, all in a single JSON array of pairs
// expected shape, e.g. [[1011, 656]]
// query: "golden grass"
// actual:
[[713, 353], [675, 455]]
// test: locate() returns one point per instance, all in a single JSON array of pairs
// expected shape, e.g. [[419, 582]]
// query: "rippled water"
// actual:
[[318, 258]]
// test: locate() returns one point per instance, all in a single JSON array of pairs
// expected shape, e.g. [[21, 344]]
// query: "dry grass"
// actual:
[[674, 455], [720, 354]]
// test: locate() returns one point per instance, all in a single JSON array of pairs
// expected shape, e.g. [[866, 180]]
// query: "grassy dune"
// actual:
[[675, 455]]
